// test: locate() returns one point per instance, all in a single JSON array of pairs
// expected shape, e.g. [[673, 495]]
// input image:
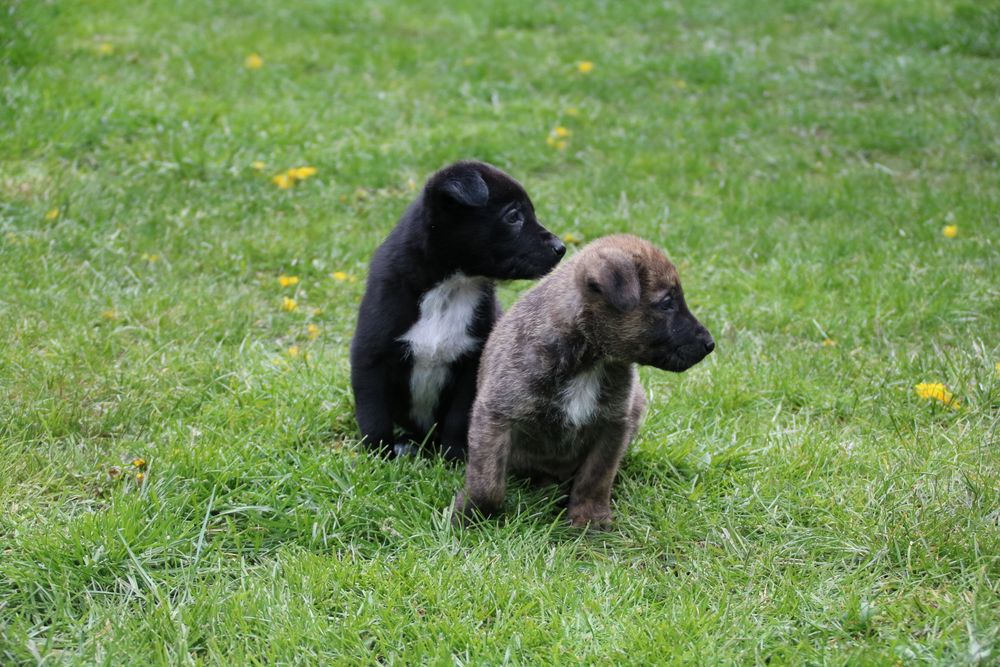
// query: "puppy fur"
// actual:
[[430, 303], [559, 398]]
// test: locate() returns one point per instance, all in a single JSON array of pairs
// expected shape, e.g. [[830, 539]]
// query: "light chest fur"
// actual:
[[580, 396], [439, 338]]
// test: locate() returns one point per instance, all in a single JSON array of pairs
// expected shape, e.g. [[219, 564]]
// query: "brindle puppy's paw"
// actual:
[[466, 511], [589, 515], [463, 514]]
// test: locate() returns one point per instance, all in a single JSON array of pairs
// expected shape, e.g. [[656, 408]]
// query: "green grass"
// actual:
[[786, 502]]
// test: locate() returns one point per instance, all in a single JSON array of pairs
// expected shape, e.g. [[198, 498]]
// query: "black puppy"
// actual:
[[430, 303]]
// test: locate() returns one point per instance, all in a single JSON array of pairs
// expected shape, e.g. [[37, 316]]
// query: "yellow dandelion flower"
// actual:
[[283, 181], [550, 140], [140, 477], [312, 331], [254, 61], [152, 258], [572, 111], [998, 367], [288, 305], [937, 392], [52, 214], [950, 231], [139, 462], [288, 281], [301, 173], [340, 276], [572, 238], [561, 132], [829, 342], [257, 165], [585, 67], [105, 48], [110, 314], [293, 351]]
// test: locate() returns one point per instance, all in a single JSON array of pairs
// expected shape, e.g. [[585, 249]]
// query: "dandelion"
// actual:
[[52, 214], [288, 281], [585, 67], [110, 314], [254, 61], [561, 132], [140, 477], [572, 238], [301, 173], [312, 331], [258, 165], [950, 231], [289, 305], [152, 258], [572, 111], [139, 462], [829, 342], [293, 351], [937, 392], [998, 367], [105, 48], [293, 176]]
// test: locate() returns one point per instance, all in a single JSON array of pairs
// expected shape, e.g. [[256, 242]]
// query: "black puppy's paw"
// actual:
[[405, 449], [453, 454]]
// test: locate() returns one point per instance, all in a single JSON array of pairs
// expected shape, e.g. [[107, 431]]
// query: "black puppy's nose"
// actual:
[[709, 346], [558, 247]]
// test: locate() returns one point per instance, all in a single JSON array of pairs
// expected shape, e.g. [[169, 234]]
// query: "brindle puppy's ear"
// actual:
[[466, 187], [613, 275]]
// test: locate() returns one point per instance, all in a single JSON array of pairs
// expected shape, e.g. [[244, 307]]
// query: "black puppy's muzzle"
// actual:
[[557, 247]]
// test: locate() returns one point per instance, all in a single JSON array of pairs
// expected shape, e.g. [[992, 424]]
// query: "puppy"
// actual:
[[430, 303], [559, 398]]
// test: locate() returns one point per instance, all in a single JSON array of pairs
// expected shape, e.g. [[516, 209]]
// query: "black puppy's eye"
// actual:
[[666, 303], [513, 217]]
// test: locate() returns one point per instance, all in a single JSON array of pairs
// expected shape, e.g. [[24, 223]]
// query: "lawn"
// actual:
[[824, 174]]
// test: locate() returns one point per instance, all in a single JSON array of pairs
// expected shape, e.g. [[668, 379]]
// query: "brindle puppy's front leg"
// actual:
[[486, 472], [590, 497]]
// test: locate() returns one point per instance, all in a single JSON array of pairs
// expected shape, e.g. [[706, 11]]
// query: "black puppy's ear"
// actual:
[[467, 188], [613, 275]]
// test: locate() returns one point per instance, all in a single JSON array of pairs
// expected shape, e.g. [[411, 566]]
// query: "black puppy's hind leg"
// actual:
[[371, 407]]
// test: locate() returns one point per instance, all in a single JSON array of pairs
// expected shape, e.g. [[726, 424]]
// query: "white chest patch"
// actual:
[[580, 396], [438, 338]]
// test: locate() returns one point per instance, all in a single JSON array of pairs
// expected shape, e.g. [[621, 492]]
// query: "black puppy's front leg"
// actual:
[[455, 422], [371, 406]]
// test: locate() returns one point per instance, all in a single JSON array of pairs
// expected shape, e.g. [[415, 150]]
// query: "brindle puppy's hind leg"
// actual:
[[486, 473]]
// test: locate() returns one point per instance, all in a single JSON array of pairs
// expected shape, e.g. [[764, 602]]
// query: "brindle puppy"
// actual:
[[558, 394]]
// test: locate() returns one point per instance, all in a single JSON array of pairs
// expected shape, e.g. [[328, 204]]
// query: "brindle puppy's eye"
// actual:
[[513, 217], [666, 303]]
